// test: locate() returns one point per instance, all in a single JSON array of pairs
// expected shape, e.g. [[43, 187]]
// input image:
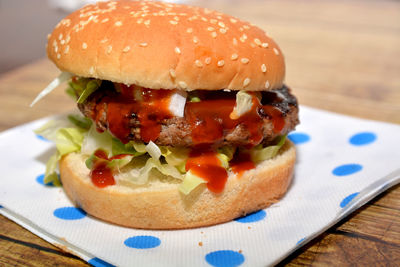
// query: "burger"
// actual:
[[184, 115]]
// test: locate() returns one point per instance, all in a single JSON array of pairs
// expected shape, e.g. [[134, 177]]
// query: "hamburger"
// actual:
[[184, 115]]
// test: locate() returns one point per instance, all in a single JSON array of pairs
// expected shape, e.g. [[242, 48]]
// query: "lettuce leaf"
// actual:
[[260, 153], [94, 140], [90, 87], [63, 77], [190, 182]]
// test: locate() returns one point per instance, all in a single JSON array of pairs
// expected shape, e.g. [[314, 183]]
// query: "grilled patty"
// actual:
[[178, 131]]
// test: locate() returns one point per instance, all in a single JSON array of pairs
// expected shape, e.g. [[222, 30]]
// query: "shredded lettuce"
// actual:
[[63, 77], [80, 121], [50, 176], [90, 87], [260, 153], [66, 138], [94, 140], [119, 148], [190, 182]]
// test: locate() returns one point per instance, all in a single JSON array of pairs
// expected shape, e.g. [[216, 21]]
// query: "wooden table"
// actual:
[[342, 56]]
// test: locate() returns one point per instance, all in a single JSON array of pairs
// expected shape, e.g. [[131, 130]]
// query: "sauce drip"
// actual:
[[241, 162], [203, 162], [101, 174]]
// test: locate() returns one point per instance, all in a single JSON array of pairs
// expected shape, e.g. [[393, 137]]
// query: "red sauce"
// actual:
[[241, 162], [101, 174], [204, 163]]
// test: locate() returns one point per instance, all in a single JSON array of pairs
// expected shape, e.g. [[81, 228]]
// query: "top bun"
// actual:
[[162, 45]]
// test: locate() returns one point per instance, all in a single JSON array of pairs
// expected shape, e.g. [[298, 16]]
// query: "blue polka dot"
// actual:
[[69, 213], [225, 258], [96, 262], [252, 217], [1, 206], [347, 199], [142, 242], [40, 180], [300, 241], [361, 139], [346, 169], [42, 138], [299, 138]]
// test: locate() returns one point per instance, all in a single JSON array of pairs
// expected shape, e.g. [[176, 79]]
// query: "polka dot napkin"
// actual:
[[342, 163]]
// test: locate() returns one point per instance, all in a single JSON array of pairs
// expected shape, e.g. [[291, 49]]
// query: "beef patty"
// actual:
[[178, 131]]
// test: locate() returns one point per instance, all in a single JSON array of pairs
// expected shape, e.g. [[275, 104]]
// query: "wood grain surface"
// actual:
[[342, 56]]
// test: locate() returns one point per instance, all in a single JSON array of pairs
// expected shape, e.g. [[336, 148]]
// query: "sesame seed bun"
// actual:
[[161, 45], [160, 205]]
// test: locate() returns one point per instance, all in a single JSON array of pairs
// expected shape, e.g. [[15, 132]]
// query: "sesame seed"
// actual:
[[104, 41], [139, 21], [58, 56], [276, 51], [233, 20], [213, 21], [182, 84], [263, 68], [235, 42], [198, 63], [222, 30], [176, 18], [267, 84], [60, 36], [67, 39], [146, 22], [244, 60], [221, 63], [257, 41], [246, 27], [62, 42], [126, 49], [172, 73], [204, 19], [118, 23], [195, 40], [210, 29], [207, 60], [91, 70], [234, 56], [66, 49], [221, 24], [177, 50], [246, 82], [214, 35], [265, 45], [219, 17], [84, 45], [143, 44], [189, 30], [109, 49], [173, 22]]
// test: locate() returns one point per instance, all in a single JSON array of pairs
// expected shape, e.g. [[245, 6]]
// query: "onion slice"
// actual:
[[177, 103]]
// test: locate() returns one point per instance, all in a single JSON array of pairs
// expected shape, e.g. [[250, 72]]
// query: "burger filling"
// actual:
[[132, 134]]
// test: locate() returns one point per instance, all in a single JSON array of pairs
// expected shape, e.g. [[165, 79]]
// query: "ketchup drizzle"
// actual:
[[203, 162]]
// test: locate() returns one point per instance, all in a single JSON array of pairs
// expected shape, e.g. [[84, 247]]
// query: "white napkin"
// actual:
[[342, 163]]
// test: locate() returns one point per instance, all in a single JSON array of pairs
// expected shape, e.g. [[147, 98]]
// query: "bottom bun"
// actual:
[[160, 205]]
